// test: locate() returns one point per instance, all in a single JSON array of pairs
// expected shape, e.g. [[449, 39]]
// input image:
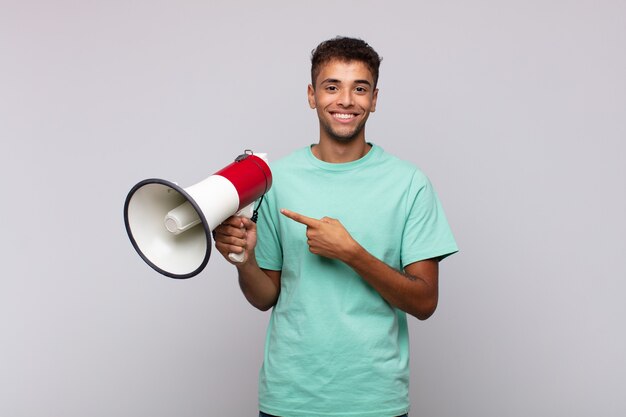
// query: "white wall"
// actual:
[[515, 109]]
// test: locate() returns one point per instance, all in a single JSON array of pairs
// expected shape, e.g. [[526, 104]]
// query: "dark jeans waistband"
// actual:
[[262, 414]]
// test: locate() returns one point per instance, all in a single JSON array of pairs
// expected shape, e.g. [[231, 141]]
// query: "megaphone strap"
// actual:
[[244, 155], [255, 213]]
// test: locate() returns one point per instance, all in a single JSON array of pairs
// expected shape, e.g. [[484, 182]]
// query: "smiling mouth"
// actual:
[[344, 116]]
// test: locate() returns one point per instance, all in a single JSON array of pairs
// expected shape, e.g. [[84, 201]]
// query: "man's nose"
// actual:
[[345, 98]]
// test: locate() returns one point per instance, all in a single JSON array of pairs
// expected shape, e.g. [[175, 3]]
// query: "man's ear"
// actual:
[[310, 92], [374, 99]]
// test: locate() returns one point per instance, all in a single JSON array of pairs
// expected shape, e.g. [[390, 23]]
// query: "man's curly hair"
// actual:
[[344, 49]]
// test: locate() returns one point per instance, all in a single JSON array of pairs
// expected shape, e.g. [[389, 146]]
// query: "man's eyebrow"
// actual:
[[336, 81]]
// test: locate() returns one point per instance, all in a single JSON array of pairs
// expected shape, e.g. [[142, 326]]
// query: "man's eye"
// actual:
[[331, 88], [360, 89]]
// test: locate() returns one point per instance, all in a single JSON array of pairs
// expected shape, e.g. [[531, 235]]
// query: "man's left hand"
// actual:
[[326, 236]]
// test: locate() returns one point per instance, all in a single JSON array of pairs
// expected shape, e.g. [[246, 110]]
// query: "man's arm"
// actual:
[[261, 287], [415, 291]]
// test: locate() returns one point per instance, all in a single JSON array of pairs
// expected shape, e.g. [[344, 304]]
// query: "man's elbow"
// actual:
[[261, 306], [424, 310]]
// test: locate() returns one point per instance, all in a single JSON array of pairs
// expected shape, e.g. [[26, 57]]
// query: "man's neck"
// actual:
[[337, 152]]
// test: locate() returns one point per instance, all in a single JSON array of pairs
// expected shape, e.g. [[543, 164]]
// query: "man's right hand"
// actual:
[[235, 235]]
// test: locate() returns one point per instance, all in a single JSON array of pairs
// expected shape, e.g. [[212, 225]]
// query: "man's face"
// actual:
[[344, 96]]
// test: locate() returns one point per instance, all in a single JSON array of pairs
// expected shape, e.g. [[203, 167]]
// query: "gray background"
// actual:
[[515, 109]]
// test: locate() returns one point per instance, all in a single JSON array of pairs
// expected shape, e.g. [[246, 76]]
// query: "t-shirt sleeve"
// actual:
[[426, 233]]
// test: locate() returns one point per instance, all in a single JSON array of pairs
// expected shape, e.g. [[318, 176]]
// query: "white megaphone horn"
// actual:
[[170, 227]]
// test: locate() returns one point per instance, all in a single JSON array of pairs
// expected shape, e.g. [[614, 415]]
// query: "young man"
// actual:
[[348, 241]]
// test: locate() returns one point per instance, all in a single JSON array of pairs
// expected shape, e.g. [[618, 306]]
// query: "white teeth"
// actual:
[[343, 116]]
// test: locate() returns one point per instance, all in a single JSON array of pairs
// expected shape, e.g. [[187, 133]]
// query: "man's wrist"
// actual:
[[250, 261], [354, 252]]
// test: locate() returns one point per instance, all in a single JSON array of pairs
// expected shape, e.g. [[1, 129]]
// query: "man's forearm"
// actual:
[[415, 291], [258, 288]]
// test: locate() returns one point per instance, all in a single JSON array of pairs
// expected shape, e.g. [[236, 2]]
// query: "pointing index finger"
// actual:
[[308, 221]]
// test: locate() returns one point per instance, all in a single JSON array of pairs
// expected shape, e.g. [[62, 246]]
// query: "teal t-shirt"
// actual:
[[334, 346]]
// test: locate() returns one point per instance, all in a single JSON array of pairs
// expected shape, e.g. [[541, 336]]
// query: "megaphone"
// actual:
[[170, 227]]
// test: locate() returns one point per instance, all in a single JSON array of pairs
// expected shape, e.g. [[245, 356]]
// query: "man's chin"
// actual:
[[343, 138]]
